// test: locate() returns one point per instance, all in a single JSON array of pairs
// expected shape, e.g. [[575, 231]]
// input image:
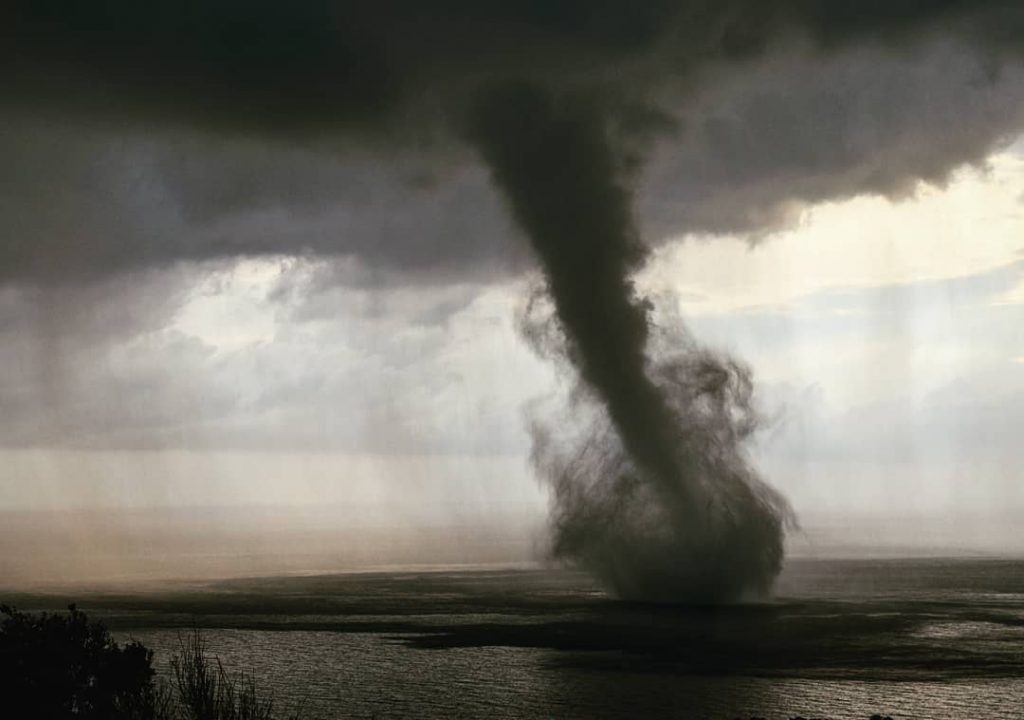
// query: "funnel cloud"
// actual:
[[655, 496]]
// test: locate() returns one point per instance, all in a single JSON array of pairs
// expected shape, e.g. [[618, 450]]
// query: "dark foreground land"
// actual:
[[842, 639]]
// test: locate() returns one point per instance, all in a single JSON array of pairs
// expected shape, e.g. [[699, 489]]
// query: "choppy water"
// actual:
[[842, 639]]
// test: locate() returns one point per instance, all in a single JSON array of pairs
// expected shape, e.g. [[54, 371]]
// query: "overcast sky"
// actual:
[[190, 318]]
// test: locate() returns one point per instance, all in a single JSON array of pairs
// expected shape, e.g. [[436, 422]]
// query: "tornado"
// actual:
[[652, 488]]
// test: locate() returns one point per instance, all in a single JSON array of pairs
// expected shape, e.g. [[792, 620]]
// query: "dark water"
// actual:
[[842, 639]]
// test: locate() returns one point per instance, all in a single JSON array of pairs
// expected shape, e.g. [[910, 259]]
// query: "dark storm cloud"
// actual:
[[78, 203], [764, 140], [314, 64], [140, 133]]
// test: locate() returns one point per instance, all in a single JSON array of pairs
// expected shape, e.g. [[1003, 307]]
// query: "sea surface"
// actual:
[[840, 639]]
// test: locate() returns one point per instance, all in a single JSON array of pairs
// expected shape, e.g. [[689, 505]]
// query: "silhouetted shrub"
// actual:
[[64, 667], [57, 666], [206, 692]]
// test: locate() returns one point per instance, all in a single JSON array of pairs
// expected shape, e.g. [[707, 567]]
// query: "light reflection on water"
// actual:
[[360, 675], [910, 639]]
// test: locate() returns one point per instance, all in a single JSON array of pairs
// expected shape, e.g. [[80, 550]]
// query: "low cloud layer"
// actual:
[[141, 137]]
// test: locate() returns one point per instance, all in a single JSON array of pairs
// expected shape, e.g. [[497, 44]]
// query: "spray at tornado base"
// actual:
[[653, 490], [655, 497]]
